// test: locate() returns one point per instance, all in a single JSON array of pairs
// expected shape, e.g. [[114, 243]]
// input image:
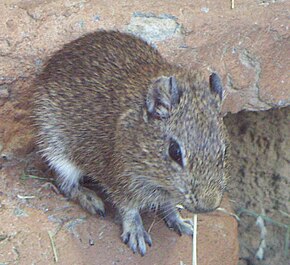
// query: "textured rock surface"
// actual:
[[261, 183], [154, 28], [248, 46]]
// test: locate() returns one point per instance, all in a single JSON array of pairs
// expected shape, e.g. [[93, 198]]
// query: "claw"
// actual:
[[134, 234], [133, 244], [126, 238], [141, 245], [147, 239], [177, 229], [177, 223], [101, 213], [90, 201]]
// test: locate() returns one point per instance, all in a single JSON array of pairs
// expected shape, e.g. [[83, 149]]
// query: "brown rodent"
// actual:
[[108, 106]]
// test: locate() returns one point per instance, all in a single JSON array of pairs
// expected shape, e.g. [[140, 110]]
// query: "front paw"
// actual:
[[134, 234], [174, 221], [180, 225]]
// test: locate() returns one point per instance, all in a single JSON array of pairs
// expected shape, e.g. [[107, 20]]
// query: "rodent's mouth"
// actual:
[[188, 208], [197, 209]]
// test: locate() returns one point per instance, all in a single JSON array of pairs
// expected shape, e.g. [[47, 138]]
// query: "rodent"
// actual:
[[110, 107]]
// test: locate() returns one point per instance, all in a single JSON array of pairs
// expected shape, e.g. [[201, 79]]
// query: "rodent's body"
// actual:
[[107, 80], [110, 107]]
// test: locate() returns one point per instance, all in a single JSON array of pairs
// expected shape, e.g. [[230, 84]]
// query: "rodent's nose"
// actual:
[[208, 204]]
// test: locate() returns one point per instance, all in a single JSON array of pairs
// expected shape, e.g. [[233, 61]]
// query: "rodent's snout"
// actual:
[[205, 204]]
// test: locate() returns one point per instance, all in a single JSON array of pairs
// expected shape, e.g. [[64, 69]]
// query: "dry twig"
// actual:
[[51, 237], [194, 241]]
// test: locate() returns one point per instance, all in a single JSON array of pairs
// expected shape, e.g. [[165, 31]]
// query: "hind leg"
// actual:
[[69, 177]]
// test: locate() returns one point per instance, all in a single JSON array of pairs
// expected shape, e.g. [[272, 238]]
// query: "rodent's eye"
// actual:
[[175, 152]]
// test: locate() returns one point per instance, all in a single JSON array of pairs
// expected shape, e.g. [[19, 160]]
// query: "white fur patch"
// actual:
[[68, 173]]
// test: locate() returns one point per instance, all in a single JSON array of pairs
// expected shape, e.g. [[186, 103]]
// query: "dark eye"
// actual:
[[175, 152]]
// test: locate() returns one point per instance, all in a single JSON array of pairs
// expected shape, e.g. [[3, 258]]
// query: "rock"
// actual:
[[20, 212], [260, 183], [154, 28], [4, 92]]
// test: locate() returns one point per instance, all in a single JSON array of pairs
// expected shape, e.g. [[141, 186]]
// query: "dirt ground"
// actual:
[[31, 209], [261, 184]]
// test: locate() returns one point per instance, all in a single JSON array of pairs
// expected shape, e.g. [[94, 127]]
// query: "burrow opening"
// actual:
[[259, 188]]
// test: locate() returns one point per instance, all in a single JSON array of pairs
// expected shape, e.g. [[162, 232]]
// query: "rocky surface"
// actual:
[[260, 186], [247, 45]]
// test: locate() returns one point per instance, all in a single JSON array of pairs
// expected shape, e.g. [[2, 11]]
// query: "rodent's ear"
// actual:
[[163, 94], [216, 85]]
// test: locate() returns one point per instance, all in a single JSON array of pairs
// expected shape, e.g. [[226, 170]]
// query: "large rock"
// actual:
[[247, 45]]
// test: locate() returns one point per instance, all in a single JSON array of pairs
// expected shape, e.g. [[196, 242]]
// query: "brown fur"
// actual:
[[92, 107]]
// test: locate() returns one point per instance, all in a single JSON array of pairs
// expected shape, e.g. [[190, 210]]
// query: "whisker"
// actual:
[[163, 215], [152, 224]]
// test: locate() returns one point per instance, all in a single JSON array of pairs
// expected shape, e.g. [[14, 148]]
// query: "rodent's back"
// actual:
[[106, 62], [86, 86]]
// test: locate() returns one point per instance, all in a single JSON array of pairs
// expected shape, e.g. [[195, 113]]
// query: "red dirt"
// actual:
[[84, 239]]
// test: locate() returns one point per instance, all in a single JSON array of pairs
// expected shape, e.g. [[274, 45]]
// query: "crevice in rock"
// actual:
[[260, 182]]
